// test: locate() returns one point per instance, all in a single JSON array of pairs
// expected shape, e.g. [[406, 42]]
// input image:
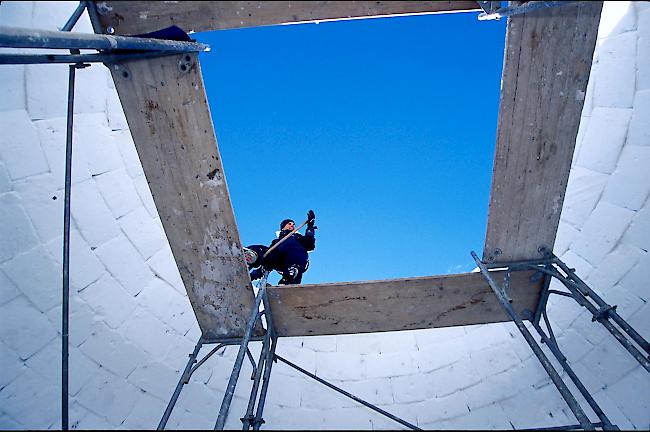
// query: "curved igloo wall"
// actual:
[[132, 326]]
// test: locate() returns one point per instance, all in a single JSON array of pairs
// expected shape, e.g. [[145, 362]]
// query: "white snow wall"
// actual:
[[131, 325]]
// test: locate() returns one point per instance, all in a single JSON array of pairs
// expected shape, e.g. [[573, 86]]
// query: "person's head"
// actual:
[[287, 224]]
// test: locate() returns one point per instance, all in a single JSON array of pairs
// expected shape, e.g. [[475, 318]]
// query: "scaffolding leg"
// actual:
[[74, 17], [555, 349], [248, 418], [66, 255], [580, 415], [184, 379], [268, 364], [234, 376]]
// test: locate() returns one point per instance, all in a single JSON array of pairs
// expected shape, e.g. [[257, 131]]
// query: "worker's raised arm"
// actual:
[[308, 241]]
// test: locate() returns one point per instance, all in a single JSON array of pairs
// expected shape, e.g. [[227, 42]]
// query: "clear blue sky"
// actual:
[[384, 127]]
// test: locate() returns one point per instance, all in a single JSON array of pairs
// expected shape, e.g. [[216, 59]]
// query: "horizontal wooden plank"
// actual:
[[136, 17], [546, 68], [395, 304], [167, 111]]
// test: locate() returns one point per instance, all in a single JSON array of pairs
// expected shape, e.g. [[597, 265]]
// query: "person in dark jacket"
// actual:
[[290, 258]]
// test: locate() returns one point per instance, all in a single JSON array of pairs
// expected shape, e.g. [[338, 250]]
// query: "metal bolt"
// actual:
[[110, 29], [185, 64]]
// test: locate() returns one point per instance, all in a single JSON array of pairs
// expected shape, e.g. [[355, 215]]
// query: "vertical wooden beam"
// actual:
[[546, 68], [166, 107]]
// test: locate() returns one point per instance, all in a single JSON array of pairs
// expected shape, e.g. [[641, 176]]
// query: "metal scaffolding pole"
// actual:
[[65, 302], [234, 376], [248, 418], [77, 58], [268, 362], [15, 37], [74, 17], [350, 395], [184, 379], [268, 365], [65, 325], [605, 310], [602, 315], [580, 415]]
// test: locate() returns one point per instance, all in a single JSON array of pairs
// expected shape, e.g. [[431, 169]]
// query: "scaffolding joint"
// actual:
[[493, 11], [603, 313]]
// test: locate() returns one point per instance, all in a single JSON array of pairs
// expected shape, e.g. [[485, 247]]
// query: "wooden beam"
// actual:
[[545, 72], [136, 17], [165, 105], [396, 304]]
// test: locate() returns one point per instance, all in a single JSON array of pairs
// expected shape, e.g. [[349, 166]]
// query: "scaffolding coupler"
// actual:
[[492, 10]]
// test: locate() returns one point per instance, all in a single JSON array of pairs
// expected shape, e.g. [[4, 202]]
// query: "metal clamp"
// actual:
[[603, 313], [491, 11]]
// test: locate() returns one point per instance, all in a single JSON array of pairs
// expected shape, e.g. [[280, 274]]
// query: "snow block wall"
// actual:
[[132, 327]]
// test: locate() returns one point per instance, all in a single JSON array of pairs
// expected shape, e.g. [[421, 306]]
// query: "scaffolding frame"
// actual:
[[548, 268]]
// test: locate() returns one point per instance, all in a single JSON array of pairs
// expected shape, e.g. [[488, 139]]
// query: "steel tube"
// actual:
[[561, 293], [636, 337], [77, 58], [65, 327], [252, 360], [620, 337], [268, 364], [93, 15], [548, 326], [561, 428], [543, 299], [256, 382], [351, 396], [15, 37], [607, 425], [74, 18], [550, 370], [231, 341], [204, 359], [232, 382], [181, 382]]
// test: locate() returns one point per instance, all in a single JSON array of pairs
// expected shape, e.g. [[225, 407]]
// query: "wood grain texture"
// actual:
[[169, 118], [396, 304], [546, 68], [135, 17]]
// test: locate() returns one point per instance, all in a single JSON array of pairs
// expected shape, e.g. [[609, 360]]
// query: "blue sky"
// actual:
[[384, 127]]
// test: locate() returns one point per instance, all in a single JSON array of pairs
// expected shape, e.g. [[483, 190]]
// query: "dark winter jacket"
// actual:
[[291, 251]]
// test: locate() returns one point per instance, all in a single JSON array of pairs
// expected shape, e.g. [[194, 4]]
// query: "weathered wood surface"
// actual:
[[396, 304], [170, 122], [546, 68], [135, 17]]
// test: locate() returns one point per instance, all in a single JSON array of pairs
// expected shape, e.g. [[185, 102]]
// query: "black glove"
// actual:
[[311, 218]]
